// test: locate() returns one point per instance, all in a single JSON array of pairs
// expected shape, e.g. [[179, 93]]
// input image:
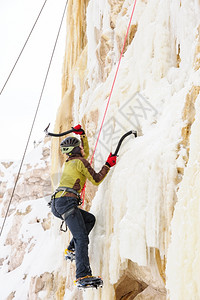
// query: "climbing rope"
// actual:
[[19, 171], [23, 48], [108, 102]]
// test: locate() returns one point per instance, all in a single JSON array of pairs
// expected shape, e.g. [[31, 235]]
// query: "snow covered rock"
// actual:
[[155, 93], [150, 294], [27, 256], [150, 199], [34, 180], [4, 165]]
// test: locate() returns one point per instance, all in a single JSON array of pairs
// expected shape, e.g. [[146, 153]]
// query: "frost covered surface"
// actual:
[[156, 93], [26, 239], [33, 231], [183, 254], [38, 257], [134, 206], [33, 159]]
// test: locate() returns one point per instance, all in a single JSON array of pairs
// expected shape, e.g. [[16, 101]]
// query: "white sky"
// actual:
[[20, 97]]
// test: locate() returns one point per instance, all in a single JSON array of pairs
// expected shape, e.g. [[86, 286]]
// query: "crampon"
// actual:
[[89, 282], [69, 255]]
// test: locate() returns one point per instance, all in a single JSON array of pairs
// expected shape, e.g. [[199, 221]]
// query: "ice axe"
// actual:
[[58, 134], [72, 130], [121, 140]]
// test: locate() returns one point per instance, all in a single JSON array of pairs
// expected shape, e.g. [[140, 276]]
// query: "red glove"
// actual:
[[111, 161], [78, 130]]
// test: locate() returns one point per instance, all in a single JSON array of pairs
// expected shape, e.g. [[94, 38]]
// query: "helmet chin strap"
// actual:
[[76, 151]]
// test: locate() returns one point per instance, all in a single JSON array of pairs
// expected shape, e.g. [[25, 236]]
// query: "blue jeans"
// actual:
[[80, 223]]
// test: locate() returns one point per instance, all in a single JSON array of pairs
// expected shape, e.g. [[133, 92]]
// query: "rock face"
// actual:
[[154, 65], [3, 171], [88, 63], [34, 181], [150, 199], [25, 241]]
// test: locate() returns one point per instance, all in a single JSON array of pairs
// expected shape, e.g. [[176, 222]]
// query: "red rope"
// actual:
[[95, 147]]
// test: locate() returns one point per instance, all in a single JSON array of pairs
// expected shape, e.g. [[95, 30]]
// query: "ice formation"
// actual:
[[145, 241]]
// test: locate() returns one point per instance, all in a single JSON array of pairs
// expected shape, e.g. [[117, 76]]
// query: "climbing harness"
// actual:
[[70, 211], [68, 190]]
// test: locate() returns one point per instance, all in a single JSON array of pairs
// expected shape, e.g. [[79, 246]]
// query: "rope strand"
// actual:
[[33, 123], [23, 48], [113, 82], [95, 147]]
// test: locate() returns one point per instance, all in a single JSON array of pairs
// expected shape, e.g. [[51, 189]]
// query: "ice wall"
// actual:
[[75, 43], [183, 255], [145, 242], [155, 93]]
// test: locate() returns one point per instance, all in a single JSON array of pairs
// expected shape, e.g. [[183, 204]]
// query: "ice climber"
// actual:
[[67, 199]]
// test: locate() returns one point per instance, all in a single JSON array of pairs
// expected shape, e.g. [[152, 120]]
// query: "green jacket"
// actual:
[[77, 169]]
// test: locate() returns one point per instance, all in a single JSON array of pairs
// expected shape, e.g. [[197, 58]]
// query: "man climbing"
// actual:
[[66, 201]]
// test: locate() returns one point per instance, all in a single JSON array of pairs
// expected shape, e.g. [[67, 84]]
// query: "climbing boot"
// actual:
[[70, 254], [89, 282]]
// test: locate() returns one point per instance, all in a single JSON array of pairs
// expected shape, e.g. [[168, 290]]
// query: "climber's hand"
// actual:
[[78, 130], [111, 161]]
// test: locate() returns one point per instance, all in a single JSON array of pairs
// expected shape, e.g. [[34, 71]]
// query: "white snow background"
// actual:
[[134, 199], [20, 96]]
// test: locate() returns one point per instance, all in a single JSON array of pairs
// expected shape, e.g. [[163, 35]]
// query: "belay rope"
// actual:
[[23, 47], [83, 191], [95, 147], [125, 135], [36, 112]]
